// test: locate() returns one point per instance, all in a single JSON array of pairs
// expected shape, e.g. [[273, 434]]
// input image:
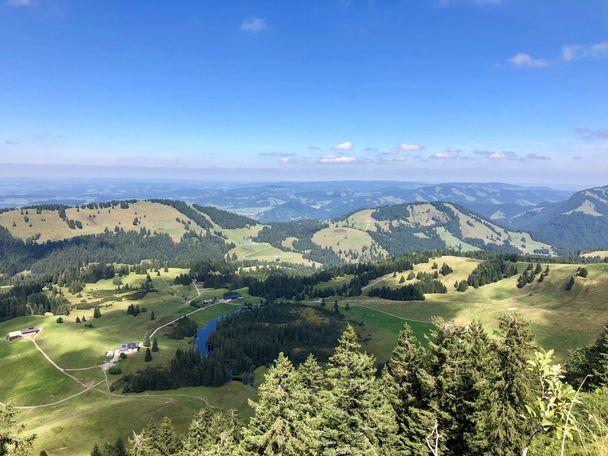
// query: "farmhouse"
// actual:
[[22, 332], [129, 347], [229, 297]]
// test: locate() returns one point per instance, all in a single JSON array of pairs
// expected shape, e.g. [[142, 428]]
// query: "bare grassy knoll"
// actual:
[[47, 225]]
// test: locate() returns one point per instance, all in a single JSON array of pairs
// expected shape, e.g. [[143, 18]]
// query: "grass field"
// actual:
[[247, 249], [596, 253], [155, 217], [560, 319], [379, 330], [83, 416], [462, 268], [342, 239]]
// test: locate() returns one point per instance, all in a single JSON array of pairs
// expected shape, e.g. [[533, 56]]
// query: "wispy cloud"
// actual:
[[337, 159], [497, 154], [313, 148], [254, 24], [526, 60], [451, 153], [19, 2], [589, 133], [277, 154], [346, 145], [10, 143], [578, 51], [537, 157], [410, 147]]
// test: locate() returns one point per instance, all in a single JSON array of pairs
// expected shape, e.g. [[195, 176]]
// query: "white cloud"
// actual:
[[346, 145], [313, 148], [440, 155], [578, 51], [340, 159], [410, 147], [19, 2], [276, 154], [525, 60], [497, 154], [254, 24]]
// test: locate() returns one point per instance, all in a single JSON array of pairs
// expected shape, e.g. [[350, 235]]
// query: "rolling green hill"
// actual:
[[580, 223]]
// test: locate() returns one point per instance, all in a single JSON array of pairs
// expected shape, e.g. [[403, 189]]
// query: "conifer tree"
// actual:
[[357, 418], [96, 451], [570, 283], [148, 356], [197, 438], [502, 427], [154, 344], [408, 387], [11, 439], [459, 364], [280, 424]]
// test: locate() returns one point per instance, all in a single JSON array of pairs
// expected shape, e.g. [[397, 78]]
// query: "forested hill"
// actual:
[[580, 223], [54, 236]]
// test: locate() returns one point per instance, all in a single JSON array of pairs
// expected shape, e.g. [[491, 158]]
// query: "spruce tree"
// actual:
[[356, 418], [148, 356], [570, 283], [408, 387], [154, 344], [459, 363], [96, 451], [600, 364], [280, 424], [502, 427], [198, 436]]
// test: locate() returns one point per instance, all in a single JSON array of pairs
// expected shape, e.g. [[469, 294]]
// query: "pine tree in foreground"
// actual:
[[280, 424], [356, 417], [503, 422], [408, 387]]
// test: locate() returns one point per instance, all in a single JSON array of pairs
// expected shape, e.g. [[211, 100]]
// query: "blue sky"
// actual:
[[421, 90]]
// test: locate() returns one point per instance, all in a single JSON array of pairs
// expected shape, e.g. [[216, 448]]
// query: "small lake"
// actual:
[[202, 335]]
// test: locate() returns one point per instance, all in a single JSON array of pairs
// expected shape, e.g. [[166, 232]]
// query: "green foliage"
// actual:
[[357, 418], [12, 440], [225, 219], [491, 270], [590, 364], [570, 283], [281, 424]]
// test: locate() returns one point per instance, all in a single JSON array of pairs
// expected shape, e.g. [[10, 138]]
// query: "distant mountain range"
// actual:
[[581, 222], [273, 202], [330, 223]]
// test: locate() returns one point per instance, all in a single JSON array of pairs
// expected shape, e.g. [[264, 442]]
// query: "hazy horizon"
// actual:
[[446, 90]]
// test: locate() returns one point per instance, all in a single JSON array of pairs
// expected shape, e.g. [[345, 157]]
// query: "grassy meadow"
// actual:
[[49, 226]]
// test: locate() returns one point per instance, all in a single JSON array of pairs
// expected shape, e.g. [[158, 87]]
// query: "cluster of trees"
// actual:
[[530, 274], [122, 247], [28, 298], [462, 394], [225, 219], [182, 328], [410, 292], [491, 270], [133, 310], [240, 343], [589, 365]]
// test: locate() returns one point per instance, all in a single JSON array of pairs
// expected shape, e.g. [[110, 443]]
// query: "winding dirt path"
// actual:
[[391, 315]]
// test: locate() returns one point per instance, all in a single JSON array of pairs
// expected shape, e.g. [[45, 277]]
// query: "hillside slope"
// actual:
[[422, 226], [580, 223]]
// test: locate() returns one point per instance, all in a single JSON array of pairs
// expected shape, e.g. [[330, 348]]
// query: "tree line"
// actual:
[[463, 393]]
